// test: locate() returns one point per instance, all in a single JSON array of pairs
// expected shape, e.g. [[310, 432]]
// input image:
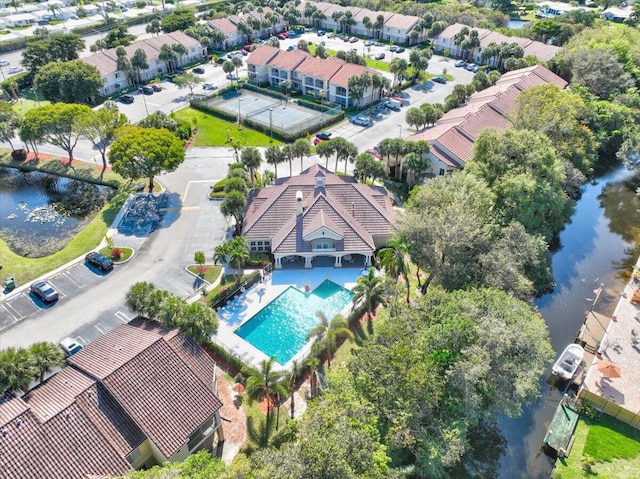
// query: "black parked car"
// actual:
[[128, 99], [198, 70], [147, 90], [99, 261], [441, 80]]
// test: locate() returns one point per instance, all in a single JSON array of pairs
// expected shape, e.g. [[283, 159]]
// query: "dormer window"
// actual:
[[319, 182]]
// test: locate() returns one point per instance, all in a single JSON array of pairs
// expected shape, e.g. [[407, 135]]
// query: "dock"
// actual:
[[590, 338], [559, 437]]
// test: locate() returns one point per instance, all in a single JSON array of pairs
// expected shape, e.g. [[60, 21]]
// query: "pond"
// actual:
[[516, 24], [41, 213], [598, 246]]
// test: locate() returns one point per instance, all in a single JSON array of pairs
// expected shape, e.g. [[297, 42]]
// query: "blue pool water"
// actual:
[[280, 329]]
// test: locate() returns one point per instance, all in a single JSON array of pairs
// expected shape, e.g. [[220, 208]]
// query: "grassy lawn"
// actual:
[[213, 131], [25, 104], [609, 445], [26, 269], [210, 275], [378, 64]]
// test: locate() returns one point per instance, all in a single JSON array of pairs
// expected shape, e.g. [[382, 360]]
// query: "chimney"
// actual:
[[298, 203]]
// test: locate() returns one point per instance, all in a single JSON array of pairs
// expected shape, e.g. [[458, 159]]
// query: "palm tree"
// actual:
[[395, 261], [369, 288], [265, 385], [299, 149], [172, 311], [139, 62], [234, 252], [273, 156], [313, 364], [293, 377], [328, 332], [16, 369], [251, 158], [168, 56], [137, 298], [199, 322], [45, 357], [367, 23]]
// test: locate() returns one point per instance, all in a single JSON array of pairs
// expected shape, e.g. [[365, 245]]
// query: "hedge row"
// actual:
[[222, 355], [264, 91], [226, 295], [212, 110], [313, 105]]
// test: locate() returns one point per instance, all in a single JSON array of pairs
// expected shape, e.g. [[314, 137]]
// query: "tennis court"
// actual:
[[282, 115]]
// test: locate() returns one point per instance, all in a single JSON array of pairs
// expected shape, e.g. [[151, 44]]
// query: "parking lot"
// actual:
[[70, 281]]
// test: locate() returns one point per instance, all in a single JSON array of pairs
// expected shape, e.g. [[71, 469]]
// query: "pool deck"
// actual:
[[243, 308]]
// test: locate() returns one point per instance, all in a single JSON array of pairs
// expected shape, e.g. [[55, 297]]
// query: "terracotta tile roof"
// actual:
[[288, 60], [362, 212], [113, 351], [490, 108], [166, 410], [541, 51], [224, 25], [324, 68], [365, 12], [261, 55], [106, 62], [69, 445], [400, 21], [10, 408], [321, 220], [103, 62], [341, 78]]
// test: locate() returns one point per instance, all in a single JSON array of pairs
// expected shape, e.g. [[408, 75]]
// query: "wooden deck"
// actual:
[[560, 433]]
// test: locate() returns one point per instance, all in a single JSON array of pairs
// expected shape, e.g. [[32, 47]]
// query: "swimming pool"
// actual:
[[280, 329]]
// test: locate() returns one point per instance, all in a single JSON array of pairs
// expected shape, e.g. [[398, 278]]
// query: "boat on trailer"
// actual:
[[568, 362]]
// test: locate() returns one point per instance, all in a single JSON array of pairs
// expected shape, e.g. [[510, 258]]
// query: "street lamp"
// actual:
[[271, 125]]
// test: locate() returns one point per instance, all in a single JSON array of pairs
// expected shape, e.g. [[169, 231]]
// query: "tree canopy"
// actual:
[[68, 82], [145, 153], [474, 354], [55, 124], [180, 18]]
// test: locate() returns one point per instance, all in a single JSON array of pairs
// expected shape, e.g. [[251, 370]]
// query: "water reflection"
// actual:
[[40, 213], [600, 240]]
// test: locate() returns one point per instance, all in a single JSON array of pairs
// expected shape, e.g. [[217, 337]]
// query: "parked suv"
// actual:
[[147, 90], [128, 99]]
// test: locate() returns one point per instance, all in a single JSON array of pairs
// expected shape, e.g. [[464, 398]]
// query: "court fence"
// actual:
[[290, 132]]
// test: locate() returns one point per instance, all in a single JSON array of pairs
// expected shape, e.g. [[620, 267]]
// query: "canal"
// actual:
[[598, 246]]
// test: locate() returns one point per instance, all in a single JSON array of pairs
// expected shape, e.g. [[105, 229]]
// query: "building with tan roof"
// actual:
[[397, 27], [136, 397], [114, 80], [445, 41], [318, 214], [451, 139], [320, 77], [234, 35]]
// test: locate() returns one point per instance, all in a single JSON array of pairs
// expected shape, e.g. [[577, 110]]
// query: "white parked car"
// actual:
[[70, 346], [15, 69], [209, 86], [3, 63]]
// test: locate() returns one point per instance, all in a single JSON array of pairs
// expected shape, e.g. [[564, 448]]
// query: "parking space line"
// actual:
[[122, 317], [72, 279], [98, 328], [81, 340], [6, 307]]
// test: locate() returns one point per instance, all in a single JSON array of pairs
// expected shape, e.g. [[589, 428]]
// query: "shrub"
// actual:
[[116, 253], [19, 155]]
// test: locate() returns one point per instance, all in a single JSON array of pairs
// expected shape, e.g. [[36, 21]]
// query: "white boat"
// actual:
[[568, 362]]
